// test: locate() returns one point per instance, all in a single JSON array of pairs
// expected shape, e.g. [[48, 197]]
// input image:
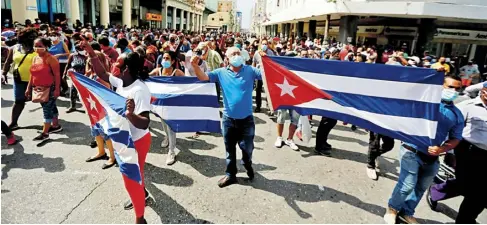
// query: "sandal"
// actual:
[[106, 166], [91, 159]]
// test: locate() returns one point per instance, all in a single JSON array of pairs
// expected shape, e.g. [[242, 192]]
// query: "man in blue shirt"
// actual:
[[237, 82], [419, 165]]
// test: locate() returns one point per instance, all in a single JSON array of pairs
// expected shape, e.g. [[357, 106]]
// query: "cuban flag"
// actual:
[[186, 104], [400, 102], [106, 110]]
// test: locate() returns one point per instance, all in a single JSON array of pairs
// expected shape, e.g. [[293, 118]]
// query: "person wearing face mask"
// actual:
[[77, 62], [471, 157], [45, 74], [213, 60], [419, 164], [194, 51], [20, 57], [441, 65], [257, 62], [122, 46], [130, 85], [468, 73], [243, 52], [169, 61], [238, 126], [60, 50]]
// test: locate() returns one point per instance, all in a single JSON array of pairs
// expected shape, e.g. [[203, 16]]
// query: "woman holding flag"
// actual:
[[129, 84]]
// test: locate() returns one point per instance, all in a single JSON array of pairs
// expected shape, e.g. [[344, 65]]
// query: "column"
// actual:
[[188, 24], [183, 25], [81, 11], [173, 17], [288, 30], [127, 13], [312, 29], [104, 13], [299, 30], [93, 13], [22, 10], [327, 27], [200, 24], [426, 33], [164, 16], [348, 29]]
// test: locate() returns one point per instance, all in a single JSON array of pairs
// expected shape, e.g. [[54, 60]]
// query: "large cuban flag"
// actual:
[[106, 110], [400, 102], [185, 103]]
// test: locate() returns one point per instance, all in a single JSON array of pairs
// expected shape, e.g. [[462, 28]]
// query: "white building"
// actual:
[[445, 27]]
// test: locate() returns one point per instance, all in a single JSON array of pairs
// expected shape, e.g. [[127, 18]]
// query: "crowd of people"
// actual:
[[39, 57]]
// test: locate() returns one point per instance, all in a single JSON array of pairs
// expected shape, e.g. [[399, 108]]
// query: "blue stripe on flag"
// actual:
[[175, 80], [361, 70], [130, 170], [121, 136], [420, 141], [387, 106], [185, 100], [182, 126]]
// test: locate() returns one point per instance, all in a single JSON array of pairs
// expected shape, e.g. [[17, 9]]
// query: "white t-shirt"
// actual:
[[188, 68], [139, 92]]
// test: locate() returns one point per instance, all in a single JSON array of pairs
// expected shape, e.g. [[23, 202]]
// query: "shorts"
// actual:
[[98, 131], [466, 82], [19, 91], [283, 114]]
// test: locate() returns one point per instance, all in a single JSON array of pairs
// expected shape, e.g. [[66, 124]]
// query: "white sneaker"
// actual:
[[390, 216], [165, 143], [278, 143], [371, 173], [291, 144], [171, 159]]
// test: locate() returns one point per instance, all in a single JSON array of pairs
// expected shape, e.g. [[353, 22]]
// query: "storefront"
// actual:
[[153, 20], [461, 45], [401, 36]]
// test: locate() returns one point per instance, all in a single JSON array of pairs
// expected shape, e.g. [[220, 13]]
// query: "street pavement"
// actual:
[[52, 183]]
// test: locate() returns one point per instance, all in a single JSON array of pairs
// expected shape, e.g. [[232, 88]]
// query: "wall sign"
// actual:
[[405, 31], [153, 17], [461, 34]]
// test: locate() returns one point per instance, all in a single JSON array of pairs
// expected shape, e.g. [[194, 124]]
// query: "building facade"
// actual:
[[172, 14], [453, 28]]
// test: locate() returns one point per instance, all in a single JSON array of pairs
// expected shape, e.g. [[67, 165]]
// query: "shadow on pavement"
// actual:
[[78, 134], [293, 192], [21, 160], [385, 165], [167, 208], [7, 103], [447, 211]]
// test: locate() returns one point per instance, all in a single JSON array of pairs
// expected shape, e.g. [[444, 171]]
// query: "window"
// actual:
[[57, 6], [221, 19], [6, 4], [213, 19]]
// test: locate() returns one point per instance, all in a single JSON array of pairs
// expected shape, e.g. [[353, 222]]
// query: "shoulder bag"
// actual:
[[41, 94]]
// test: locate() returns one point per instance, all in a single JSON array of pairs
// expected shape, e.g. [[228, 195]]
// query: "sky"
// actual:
[[245, 6]]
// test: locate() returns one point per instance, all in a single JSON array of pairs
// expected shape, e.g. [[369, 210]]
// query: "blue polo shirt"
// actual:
[[450, 126], [237, 89]]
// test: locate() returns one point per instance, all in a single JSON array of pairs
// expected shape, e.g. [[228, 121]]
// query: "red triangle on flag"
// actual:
[[285, 88], [94, 108]]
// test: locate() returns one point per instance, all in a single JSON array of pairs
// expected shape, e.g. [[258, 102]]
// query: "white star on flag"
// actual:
[[92, 103], [286, 88]]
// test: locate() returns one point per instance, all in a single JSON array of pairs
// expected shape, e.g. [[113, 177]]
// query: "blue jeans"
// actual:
[[241, 132], [414, 179], [19, 91], [49, 109]]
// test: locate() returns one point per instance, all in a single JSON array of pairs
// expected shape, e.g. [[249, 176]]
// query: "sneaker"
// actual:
[[377, 167], [165, 143], [326, 152], [408, 219], [390, 216], [11, 139], [279, 142], [171, 159], [55, 129], [291, 144], [371, 173], [41, 137], [128, 205], [226, 180], [431, 203], [354, 128]]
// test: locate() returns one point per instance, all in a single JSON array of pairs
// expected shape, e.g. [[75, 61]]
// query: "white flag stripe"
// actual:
[[407, 125], [375, 88], [182, 89], [187, 113]]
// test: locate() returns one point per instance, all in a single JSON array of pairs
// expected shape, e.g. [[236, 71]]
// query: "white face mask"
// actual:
[[82, 52], [54, 38], [43, 32]]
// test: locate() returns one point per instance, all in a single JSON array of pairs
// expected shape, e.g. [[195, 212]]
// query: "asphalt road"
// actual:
[[53, 183]]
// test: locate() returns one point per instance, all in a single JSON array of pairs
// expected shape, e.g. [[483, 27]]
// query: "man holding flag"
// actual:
[[237, 82]]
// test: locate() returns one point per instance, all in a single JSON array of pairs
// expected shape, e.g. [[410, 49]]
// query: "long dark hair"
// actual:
[[174, 57], [26, 37]]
